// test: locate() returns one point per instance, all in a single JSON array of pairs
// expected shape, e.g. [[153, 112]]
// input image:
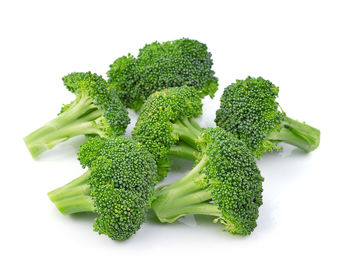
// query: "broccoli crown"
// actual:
[[122, 180], [154, 128], [249, 111], [87, 85], [233, 178], [160, 66], [124, 79]]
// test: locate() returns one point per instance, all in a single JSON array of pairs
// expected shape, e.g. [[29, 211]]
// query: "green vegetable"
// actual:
[[250, 111], [96, 110], [166, 125], [160, 66], [224, 183], [118, 186]]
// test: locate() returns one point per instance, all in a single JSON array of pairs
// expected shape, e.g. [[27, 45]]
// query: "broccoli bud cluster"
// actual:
[[118, 186], [158, 66], [249, 110], [164, 123]]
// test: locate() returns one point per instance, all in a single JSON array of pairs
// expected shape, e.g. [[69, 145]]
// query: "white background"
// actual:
[[301, 46]]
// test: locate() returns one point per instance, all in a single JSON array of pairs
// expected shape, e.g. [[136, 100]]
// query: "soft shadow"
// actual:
[[83, 216], [196, 222], [181, 165], [281, 170], [152, 218], [64, 150], [207, 222], [288, 151]]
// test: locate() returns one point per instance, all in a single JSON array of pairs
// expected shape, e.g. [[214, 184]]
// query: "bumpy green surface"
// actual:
[[249, 110], [118, 186], [123, 176], [163, 65], [234, 180], [154, 128], [121, 212], [132, 165], [93, 86]]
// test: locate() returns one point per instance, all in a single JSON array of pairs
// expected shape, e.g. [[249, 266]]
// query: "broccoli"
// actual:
[[97, 110], [166, 125], [224, 183], [118, 186], [249, 110], [163, 65]]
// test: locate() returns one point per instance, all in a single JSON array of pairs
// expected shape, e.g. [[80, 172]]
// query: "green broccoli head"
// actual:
[[250, 111], [97, 110], [124, 78], [225, 183], [233, 178], [121, 212], [160, 66], [95, 88], [158, 126], [132, 166], [118, 186]]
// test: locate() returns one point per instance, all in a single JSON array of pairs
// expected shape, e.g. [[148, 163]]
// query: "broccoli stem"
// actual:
[[79, 181], [75, 204], [296, 133], [73, 197], [192, 174], [195, 124], [76, 109], [187, 196], [79, 119], [183, 151], [187, 130]]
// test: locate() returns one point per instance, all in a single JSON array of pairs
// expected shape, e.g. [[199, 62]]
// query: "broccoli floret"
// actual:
[[250, 111], [166, 125], [97, 110], [225, 183], [163, 65], [118, 186]]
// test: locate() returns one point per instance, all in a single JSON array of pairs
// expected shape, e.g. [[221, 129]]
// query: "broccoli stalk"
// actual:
[[81, 118], [296, 133], [185, 197], [187, 131], [95, 111], [183, 151], [225, 183], [74, 197]]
